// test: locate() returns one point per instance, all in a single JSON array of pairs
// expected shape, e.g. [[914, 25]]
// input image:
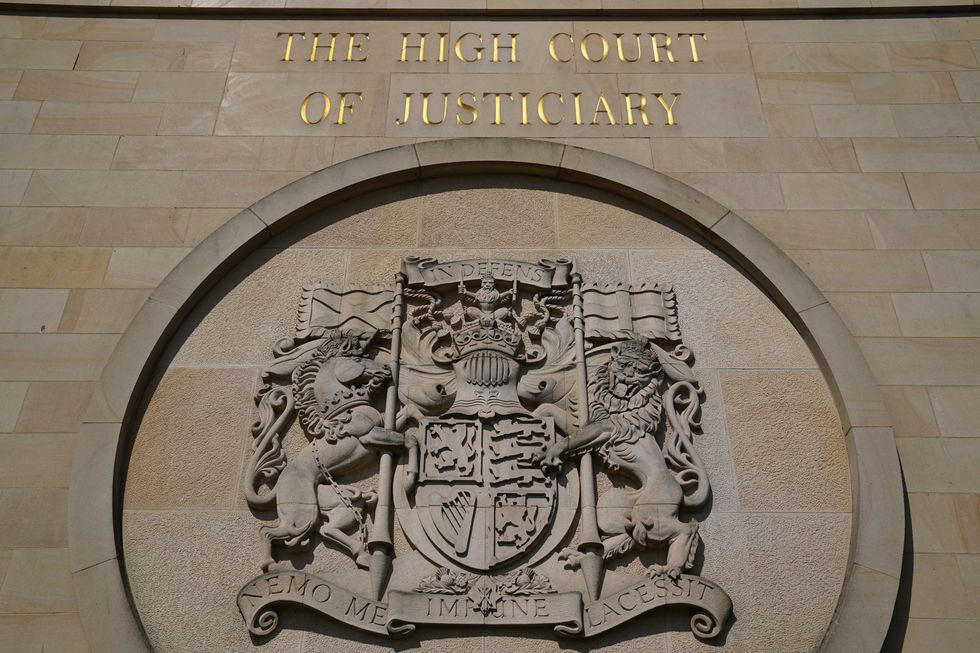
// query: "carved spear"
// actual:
[[590, 546], [380, 544]]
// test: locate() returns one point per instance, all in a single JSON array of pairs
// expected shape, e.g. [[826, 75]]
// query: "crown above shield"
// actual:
[[484, 336]]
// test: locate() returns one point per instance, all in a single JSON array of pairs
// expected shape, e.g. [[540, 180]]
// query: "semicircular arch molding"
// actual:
[[867, 599]]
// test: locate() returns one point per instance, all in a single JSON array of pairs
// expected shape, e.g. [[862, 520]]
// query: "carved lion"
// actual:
[[625, 410]]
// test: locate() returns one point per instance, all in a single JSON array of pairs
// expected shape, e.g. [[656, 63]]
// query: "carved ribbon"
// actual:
[[430, 272], [565, 612]]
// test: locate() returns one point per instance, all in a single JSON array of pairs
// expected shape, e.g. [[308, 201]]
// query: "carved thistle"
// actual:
[[482, 391]]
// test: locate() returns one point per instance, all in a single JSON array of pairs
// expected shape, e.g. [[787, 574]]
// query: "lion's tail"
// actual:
[[693, 550]]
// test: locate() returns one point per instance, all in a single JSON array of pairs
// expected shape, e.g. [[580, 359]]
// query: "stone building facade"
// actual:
[[183, 183]]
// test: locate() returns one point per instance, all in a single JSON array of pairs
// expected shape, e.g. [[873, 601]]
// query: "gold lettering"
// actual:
[[408, 108], [316, 44], [602, 106], [630, 108], [425, 109], [512, 47], [523, 107], [496, 105], [420, 47], [541, 112], [344, 107], [477, 50], [578, 107], [305, 104], [657, 46], [442, 46], [619, 48], [352, 43], [694, 47], [289, 42], [668, 108], [585, 47], [554, 52], [468, 107]]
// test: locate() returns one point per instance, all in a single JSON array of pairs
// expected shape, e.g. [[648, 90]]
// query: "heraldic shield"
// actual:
[[481, 391], [481, 497]]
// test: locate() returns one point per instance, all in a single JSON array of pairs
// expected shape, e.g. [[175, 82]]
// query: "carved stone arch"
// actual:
[[867, 599]]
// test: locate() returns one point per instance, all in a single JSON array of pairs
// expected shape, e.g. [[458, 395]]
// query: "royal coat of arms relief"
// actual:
[[485, 394]]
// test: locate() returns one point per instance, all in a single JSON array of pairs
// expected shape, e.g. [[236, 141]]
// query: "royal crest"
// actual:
[[483, 392]]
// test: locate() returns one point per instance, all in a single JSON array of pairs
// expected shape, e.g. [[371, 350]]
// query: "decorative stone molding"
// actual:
[[493, 7], [867, 600]]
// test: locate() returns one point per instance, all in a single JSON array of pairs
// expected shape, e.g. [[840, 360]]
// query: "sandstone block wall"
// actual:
[[852, 145]]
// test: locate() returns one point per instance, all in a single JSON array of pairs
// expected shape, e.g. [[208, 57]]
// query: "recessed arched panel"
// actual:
[[721, 244]]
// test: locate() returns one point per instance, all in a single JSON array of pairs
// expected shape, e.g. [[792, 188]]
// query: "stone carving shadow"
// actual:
[[898, 629]]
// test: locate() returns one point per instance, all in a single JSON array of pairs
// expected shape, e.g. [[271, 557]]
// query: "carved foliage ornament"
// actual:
[[482, 391]]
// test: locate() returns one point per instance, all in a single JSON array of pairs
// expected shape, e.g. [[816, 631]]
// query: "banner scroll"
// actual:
[[565, 612], [545, 273]]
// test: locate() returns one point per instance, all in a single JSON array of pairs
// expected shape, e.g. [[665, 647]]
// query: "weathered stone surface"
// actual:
[[42, 526], [955, 410], [54, 357], [248, 312], [726, 305], [387, 219], [938, 314], [94, 310], [54, 407], [911, 411], [586, 220], [24, 633], [939, 464], [141, 267], [780, 466], [37, 581], [11, 397], [35, 460], [191, 460], [943, 523], [864, 271], [953, 271], [866, 313], [523, 215], [168, 567], [29, 310], [76, 86], [916, 361]]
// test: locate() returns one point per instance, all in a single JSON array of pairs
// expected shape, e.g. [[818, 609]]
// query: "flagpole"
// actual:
[[380, 545], [590, 546]]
